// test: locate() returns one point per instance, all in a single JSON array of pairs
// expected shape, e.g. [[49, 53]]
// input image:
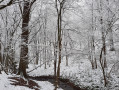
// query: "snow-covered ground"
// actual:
[[78, 71], [45, 85], [81, 73], [5, 84]]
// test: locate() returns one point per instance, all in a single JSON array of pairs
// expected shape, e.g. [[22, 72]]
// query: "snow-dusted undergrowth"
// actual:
[[81, 73]]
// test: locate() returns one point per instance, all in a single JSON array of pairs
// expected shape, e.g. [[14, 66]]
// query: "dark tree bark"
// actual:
[[59, 27], [65, 46], [0, 57], [8, 4], [0, 52], [103, 68], [24, 39], [55, 58], [102, 59]]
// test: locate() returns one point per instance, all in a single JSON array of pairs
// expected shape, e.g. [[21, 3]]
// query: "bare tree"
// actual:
[[24, 37], [59, 7]]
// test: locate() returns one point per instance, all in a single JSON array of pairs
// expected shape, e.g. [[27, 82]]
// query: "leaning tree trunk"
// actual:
[[102, 59]]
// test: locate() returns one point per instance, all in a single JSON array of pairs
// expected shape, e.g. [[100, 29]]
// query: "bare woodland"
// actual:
[[52, 33]]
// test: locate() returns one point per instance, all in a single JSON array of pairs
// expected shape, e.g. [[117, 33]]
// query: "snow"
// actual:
[[40, 71], [78, 71], [81, 73], [5, 84], [45, 85]]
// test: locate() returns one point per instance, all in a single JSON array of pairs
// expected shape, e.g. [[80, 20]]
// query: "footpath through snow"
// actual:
[[81, 74], [5, 84]]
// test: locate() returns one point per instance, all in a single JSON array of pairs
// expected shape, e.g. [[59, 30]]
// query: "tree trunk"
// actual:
[[59, 8], [0, 54], [111, 39], [24, 39], [110, 29], [65, 45], [55, 58], [104, 50], [103, 68]]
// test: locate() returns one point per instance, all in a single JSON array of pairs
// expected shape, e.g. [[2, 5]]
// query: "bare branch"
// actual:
[[8, 4]]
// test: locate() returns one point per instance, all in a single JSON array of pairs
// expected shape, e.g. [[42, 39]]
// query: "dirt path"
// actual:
[[65, 84]]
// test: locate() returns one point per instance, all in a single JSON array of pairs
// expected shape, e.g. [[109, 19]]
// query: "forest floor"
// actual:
[[81, 74], [14, 82]]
